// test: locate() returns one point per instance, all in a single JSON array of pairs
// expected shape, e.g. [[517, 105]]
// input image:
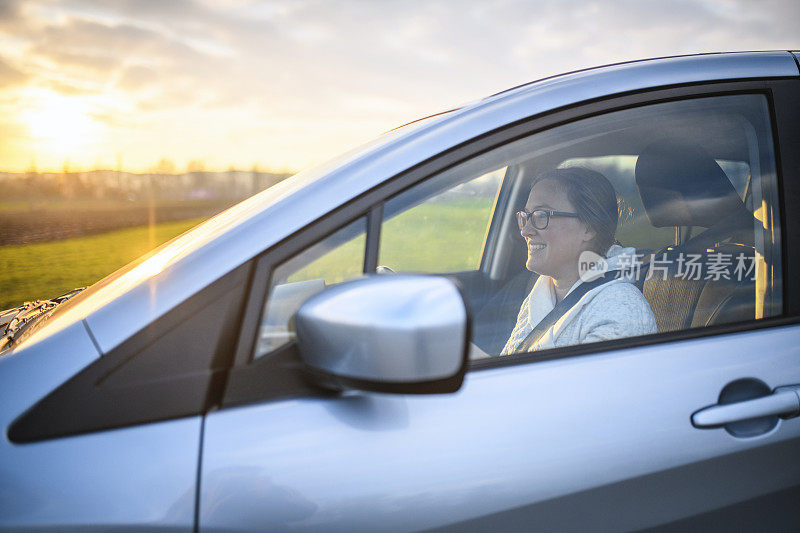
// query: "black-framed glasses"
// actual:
[[540, 218]]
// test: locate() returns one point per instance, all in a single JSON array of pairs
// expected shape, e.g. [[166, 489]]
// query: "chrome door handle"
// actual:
[[783, 402]]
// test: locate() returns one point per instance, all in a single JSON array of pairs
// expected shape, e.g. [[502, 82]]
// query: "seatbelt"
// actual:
[[561, 309]]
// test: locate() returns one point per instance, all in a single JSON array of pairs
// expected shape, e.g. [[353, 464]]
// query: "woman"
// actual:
[[569, 212]]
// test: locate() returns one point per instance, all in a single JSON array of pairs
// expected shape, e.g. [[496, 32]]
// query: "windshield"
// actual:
[[151, 264]]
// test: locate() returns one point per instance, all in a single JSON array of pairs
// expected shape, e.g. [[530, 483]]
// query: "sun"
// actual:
[[59, 124]]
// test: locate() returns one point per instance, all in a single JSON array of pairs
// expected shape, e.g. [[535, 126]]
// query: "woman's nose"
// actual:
[[528, 230]]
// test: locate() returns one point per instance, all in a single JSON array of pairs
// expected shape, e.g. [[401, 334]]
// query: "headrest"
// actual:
[[682, 185]]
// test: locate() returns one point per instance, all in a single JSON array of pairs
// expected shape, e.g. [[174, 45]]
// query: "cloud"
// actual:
[[10, 11], [84, 34], [100, 62], [279, 73], [137, 76], [68, 89], [102, 46], [426, 55], [9, 76]]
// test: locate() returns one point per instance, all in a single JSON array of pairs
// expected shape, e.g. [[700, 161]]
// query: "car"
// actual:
[[326, 355]]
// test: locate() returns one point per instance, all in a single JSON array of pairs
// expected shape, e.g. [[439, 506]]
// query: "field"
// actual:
[[45, 270], [25, 223], [436, 237], [432, 237]]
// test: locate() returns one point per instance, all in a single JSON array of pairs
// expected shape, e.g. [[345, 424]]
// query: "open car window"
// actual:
[[698, 235]]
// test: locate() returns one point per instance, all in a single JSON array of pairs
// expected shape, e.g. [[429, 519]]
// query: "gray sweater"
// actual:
[[614, 310]]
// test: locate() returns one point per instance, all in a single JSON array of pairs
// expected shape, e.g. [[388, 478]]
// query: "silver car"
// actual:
[[326, 354]]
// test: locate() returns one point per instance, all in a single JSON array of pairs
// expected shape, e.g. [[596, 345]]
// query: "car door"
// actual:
[[625, 434], [138, 477], [111, 440]]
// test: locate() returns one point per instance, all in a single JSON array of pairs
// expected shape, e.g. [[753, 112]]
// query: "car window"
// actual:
[[334, 259], [440, 225], [633, 228], [695, 243]]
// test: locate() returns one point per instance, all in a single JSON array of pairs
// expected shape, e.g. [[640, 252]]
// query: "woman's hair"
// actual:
[[593, 198]]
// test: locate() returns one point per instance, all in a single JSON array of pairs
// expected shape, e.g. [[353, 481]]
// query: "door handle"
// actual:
[[783, 402]]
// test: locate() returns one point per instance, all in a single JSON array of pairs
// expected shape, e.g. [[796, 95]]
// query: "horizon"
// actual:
[[151, 171]]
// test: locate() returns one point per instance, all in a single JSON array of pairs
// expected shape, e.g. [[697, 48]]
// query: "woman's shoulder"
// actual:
[[622, 300], [619, 290]]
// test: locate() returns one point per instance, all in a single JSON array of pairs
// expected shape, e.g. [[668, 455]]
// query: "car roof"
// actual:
[[131, 298]]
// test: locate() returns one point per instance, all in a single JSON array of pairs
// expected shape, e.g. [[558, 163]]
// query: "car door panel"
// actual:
[[652, 498], [512, 444], [142, 477]]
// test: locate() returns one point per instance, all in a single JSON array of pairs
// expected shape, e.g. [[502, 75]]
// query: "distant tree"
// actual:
[[196, 165], [255, 179], [196, 170], [165, 166]]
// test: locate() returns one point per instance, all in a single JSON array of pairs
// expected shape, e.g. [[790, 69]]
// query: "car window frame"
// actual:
[[371, 202]]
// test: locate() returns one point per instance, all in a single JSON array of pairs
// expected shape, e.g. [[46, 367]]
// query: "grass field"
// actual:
[[432, 237], [51, 221], [45, 270], [436, 237]]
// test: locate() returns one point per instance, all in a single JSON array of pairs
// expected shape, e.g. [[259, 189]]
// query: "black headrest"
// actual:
[[682, 185]]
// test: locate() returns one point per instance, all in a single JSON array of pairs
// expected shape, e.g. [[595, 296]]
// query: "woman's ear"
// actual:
[[588, 233]]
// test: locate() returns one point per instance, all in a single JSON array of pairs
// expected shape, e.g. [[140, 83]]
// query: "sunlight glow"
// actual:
[[60, 124]]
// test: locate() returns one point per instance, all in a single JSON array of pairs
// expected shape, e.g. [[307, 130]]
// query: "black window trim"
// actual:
[[137, 383], [373, 245], [370, 203], [494, 232]]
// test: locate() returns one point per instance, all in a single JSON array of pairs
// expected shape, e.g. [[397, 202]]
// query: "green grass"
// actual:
[[436, 237], [432, 237], [45, 270], [342, 263]]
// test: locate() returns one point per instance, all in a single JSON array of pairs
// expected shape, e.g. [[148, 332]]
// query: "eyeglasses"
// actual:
[[540, 218]]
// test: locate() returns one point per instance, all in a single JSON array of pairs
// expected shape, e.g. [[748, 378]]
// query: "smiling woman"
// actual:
[[584, 205]]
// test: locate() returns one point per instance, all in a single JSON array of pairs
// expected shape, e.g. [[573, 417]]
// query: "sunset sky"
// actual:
[[287, 84]]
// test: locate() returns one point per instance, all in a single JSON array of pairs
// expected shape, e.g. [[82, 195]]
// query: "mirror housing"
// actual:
[[405, 334]]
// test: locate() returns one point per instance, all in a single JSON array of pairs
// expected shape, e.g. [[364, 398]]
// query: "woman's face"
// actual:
[[554, 251]]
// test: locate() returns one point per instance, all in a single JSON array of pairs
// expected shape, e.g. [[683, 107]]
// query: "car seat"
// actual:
[[682, 185]]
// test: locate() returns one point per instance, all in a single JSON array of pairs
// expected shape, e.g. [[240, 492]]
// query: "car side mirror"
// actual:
[[404, 334]]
